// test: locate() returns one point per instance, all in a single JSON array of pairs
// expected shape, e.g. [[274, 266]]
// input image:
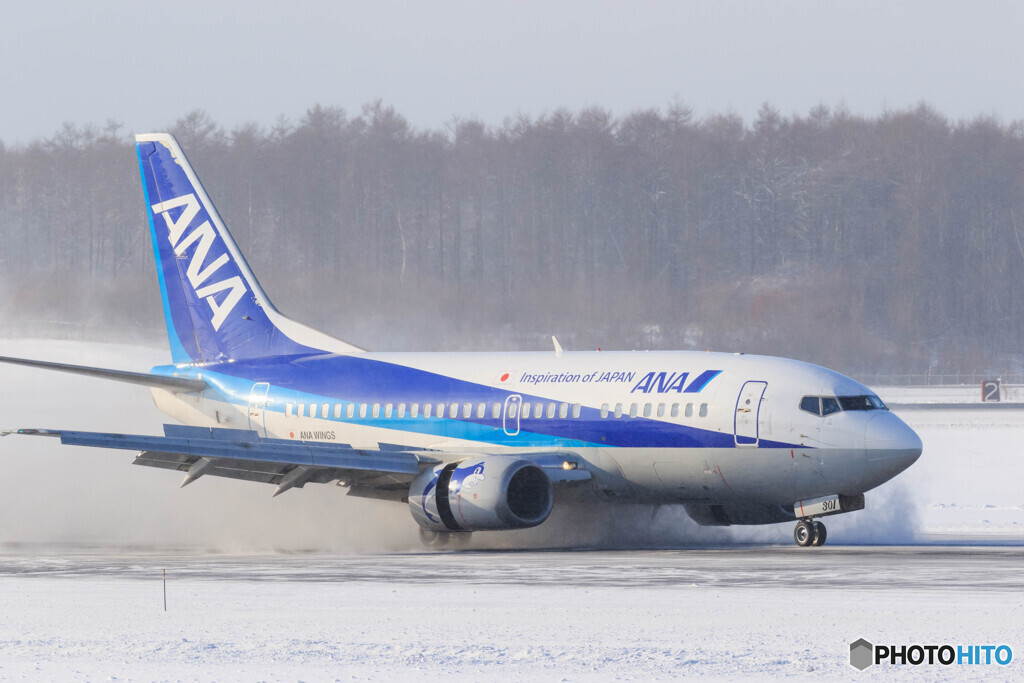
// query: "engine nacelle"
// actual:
[[491, 492]]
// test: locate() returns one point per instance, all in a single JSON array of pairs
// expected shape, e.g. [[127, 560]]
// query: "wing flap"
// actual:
[[271, 473], [233, 469]]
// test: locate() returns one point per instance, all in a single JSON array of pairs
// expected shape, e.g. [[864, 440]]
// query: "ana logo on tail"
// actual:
[[197, 274]]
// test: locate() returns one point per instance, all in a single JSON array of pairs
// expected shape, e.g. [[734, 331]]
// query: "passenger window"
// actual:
[[604, 410], [703, 409], [288, 409], [481, 410], [829, 405], [388, 410], [350, 410], [661, 410], [576, 408], [467, 410], [337, 410], [453, 410], [495, 411], [632, 409], [689, 410], [618, 410], [414, 410], [538, 410], [326, 410], [647, 410], [312, 410], [675, 410], [440, 410], [811, 404], [526, 410], [362, 410], [512, 409], [563, 410], [376, 410], [550, 412], [401, 410], [428, 408]]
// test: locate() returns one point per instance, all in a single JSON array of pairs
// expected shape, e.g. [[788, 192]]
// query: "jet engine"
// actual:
[[490, 492]]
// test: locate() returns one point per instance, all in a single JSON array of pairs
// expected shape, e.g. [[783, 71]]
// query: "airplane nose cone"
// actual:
[[890, 444]]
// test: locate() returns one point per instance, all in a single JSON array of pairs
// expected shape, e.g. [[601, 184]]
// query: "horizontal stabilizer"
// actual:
[[179, 384]]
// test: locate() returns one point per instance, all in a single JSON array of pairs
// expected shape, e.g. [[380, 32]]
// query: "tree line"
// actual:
[[868, 244]]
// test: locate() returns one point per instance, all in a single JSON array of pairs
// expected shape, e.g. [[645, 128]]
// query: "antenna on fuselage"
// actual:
[[558, 347]]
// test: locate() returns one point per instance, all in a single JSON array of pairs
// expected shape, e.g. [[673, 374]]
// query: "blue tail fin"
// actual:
[[214, 307]]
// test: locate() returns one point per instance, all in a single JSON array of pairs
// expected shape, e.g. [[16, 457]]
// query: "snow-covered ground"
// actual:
[[307, 617], [967, 484], [961, 393], [753, 613]]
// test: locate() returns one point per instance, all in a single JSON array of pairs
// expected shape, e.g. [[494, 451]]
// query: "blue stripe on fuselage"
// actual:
[[702, 381], [328, 378]]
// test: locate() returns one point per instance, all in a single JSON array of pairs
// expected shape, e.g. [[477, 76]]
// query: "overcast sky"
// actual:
[[87, 62]]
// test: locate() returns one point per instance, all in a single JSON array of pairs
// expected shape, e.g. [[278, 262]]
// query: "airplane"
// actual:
[[478, 441]]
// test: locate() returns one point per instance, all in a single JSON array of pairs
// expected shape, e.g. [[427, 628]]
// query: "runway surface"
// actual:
[[919, 568]]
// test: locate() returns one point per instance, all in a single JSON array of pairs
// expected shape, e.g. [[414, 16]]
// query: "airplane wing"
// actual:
[[242, 454]]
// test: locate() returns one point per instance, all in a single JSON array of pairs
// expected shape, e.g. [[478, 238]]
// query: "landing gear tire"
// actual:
[[803, 534], [433, 539], [439, 540], [820, 533]]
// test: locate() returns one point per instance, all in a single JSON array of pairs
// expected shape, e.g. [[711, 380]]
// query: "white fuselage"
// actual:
[[665, 427]]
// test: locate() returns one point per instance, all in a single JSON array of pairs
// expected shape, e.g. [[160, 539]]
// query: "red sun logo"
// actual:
[[504, 378]]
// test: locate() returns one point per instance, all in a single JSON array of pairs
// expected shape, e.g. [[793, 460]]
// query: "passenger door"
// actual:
[[748, 411], [258, 407]]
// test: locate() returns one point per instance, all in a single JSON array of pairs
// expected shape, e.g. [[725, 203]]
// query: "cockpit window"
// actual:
[[862, 403], [829, 405], [811, 404], [820, 405]]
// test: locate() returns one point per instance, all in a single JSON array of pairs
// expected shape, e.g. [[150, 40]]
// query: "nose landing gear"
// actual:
[[808, 533]]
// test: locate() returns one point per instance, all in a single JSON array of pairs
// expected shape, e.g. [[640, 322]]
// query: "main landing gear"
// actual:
[[808, 533], [440, 540]]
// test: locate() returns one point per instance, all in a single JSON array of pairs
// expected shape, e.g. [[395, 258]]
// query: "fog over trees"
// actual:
[[893, 243]]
